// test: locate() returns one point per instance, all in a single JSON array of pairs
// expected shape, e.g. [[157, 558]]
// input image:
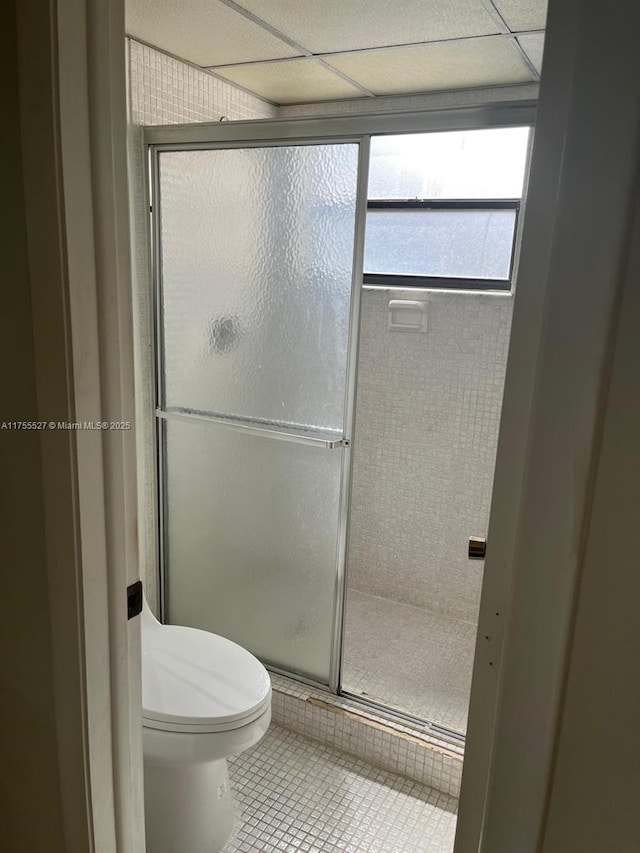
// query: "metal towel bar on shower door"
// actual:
[[277, 431]]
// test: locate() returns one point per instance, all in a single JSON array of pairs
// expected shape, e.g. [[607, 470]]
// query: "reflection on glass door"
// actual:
[[255, 270]]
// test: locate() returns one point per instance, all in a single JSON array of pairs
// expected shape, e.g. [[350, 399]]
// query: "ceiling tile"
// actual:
[[291, 82], [532, 44], [202, 31], [324, 26], [464, 64], [523, 15]]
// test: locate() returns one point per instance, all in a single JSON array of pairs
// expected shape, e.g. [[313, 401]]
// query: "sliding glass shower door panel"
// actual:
[[251, 541], [257, 257], [255, 283]]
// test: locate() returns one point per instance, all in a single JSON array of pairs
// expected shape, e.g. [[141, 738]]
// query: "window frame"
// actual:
[[403, 280]]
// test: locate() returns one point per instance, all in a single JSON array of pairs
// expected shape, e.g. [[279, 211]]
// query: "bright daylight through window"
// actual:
[[443, 208]]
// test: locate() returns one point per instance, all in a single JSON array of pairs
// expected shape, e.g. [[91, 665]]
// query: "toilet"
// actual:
[[204, 698]]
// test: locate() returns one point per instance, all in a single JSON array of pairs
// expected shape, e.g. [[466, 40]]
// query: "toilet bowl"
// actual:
[[204, 698]]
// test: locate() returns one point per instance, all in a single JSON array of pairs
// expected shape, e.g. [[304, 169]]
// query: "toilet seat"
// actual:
[[195, 681]]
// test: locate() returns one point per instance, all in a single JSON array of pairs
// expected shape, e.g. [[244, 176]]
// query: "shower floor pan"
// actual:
[[408, 659]]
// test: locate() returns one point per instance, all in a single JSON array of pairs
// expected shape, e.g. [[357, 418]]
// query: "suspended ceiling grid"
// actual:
[[300, 51]]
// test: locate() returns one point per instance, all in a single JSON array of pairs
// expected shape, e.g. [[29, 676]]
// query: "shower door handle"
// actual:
[[477, 548]]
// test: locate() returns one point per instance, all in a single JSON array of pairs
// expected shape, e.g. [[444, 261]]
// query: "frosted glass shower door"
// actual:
[[255, 281]]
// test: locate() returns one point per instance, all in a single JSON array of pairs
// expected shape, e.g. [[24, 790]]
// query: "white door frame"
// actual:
[[73, 132], [583, 182], [549, 432]]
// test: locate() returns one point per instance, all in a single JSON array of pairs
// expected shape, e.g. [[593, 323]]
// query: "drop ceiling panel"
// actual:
[[523, 15], [202, 31], [533, 44], [462, 64], [325, 26], [290, 82]]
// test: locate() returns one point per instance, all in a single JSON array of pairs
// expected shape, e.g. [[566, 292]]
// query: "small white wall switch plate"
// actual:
[[407, 315]]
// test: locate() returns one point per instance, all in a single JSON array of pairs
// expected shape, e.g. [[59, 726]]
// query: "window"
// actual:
[[443, 208]]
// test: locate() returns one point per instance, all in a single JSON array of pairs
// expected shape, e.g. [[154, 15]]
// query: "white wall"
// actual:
[[163, 90]]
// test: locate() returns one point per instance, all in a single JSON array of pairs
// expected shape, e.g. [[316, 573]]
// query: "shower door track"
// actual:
[[396, 715]]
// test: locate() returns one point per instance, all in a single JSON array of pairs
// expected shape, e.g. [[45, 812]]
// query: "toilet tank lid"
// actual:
[[193, 677]]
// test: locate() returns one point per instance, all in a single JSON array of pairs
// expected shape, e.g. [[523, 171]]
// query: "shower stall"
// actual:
[[258, 232]]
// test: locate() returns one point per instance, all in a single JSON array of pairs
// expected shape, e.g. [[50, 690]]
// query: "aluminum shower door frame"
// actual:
[[356, 129]]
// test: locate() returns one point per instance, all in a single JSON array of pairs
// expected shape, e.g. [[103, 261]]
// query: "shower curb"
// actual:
[[348, 726]]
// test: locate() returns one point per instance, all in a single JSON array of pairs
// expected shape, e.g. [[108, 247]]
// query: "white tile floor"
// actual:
[[408, 658], [294, 794]]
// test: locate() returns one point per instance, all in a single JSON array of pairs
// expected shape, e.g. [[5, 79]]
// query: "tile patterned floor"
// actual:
[[299, 796], [408, 658]]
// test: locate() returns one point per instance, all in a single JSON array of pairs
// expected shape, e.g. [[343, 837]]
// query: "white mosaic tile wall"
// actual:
[[427, 419], [163, 90]]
